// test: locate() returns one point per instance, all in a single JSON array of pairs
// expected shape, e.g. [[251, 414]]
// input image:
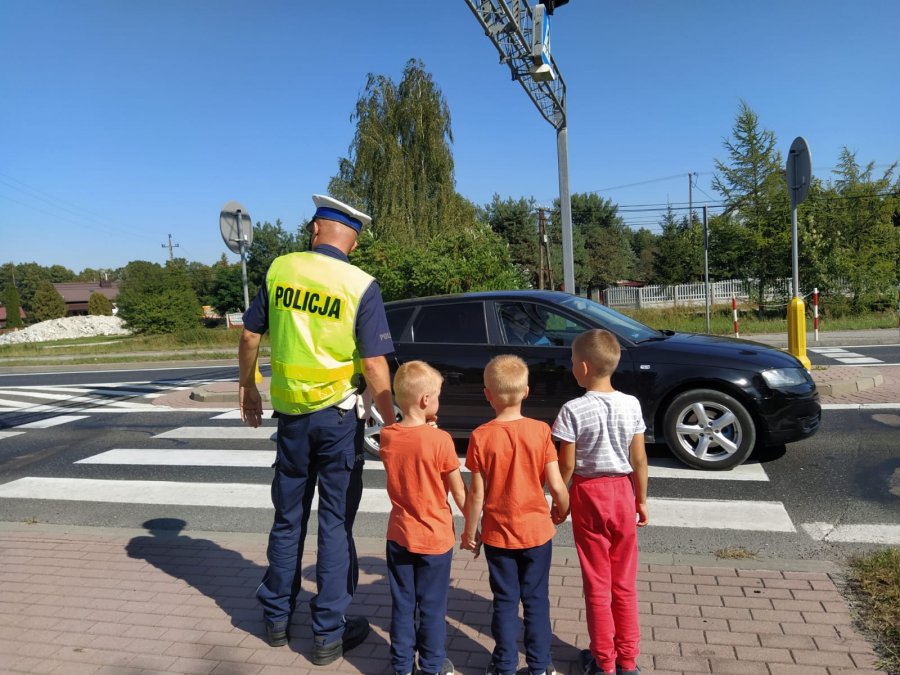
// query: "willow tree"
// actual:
[[400, 168]]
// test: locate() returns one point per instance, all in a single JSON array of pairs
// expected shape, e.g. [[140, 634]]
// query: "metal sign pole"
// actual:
[[706, 262], [242, 244], [565, 209]]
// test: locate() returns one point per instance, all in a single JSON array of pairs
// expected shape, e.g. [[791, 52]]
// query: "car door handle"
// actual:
[[452, 377]]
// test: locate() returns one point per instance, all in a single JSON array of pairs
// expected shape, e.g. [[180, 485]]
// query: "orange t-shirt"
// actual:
[[416, 459], [511, 456]]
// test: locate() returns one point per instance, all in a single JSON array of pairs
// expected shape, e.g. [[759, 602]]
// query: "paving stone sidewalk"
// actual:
[[89, 600]]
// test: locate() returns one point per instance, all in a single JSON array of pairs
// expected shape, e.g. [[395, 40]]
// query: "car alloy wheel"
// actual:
[[372, 433], [708, 429]]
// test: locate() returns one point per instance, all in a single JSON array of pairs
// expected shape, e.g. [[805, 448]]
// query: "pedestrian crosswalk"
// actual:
[[219, 444], [42, 406], [845, 356]]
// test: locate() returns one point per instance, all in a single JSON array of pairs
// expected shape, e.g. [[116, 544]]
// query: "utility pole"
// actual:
[[691, 175], [544, 247], [170, 246]]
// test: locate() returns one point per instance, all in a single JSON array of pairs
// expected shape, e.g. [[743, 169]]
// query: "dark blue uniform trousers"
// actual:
[[323, 446], [418, 581], [520, 574]]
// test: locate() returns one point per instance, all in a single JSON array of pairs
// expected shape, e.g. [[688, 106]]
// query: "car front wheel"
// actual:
[[707, 429], [372, 433]]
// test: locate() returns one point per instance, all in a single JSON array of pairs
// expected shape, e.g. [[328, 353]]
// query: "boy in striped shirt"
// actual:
[[601, 438]]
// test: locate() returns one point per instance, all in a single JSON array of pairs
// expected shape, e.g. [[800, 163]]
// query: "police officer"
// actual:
[[328, 332]]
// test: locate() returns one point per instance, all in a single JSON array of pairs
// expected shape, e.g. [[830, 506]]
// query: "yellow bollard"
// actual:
[[258, 377], [797, 331]]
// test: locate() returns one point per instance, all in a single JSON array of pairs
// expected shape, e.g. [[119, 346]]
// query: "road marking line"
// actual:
[[701, 514], [229, 458], [665, 467], [861, 406], [235, 414], [51, 422], [10, 434], [864, 533], [720, 514], [858, 360], [235, 433], [828, 350], [14, 404]]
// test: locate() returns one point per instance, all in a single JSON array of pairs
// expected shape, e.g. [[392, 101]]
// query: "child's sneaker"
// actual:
[[589, 665], [493, 670], [621, 671]]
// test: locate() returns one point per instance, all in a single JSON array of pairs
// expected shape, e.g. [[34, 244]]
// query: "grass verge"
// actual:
[[874, 581], [693, 320]]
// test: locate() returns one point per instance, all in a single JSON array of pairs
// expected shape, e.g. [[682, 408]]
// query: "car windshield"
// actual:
[[609, 318]]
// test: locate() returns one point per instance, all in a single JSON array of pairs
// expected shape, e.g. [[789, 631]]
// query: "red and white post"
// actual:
[[737, 333], [816, 312]]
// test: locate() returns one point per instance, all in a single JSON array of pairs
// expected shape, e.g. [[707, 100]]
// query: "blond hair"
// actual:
[[506, 377], [414, 379], [600, 349]]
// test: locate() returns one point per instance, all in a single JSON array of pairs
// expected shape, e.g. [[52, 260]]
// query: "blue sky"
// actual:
[[123, 122]]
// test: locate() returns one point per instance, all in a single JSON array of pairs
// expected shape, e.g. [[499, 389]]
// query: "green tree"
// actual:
[[227, 289], [59, 274], [200, 277], [753, 187], [47, 303], [13, 307], [473, 259], [99, 305], [606, 240], [515, 221], [269, 242], [400, 168], [645, 246], [153, 299], [854, 214], [679, 258]]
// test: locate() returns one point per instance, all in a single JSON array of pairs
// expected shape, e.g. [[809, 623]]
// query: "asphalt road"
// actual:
[[107, 457]]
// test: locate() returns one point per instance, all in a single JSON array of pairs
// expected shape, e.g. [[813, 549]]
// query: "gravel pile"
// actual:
[[70, 327]]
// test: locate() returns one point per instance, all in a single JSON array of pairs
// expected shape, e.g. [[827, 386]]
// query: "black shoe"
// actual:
[[277, 634], [447, 668], [622, 671], [589, 664], [356, 628]]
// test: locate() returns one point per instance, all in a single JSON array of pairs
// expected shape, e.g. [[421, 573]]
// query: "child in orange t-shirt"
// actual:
[[422, 467], [511, 458]]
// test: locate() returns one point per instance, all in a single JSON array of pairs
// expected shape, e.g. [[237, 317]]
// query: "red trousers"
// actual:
[[605, 530]]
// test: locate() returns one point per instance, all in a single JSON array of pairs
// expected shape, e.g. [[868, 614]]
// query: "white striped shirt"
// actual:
[[601, 424]]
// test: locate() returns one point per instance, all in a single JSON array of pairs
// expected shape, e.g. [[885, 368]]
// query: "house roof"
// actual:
[[3, 313], [80, 291]]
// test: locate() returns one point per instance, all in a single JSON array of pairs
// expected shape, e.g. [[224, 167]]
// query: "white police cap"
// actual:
[[332, 209]]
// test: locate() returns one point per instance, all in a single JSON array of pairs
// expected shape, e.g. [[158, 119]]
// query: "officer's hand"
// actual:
[[251, 405]]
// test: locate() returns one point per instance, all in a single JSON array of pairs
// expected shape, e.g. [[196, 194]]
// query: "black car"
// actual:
[[711, 399]]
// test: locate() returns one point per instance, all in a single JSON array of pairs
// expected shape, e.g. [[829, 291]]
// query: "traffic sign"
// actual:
[[799, 170], [236, 226]]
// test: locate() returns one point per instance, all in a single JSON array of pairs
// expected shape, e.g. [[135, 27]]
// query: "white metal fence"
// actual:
[[686, 295]]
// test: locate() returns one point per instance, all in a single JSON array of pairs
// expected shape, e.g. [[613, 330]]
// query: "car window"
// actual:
[[457, 323], [527, 323], [611, 320], [397, 320]]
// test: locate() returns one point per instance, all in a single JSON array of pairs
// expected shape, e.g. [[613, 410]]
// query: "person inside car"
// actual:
[[521, 330]]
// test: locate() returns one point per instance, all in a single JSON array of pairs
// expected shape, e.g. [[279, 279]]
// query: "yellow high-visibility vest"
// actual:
[[313, 302]]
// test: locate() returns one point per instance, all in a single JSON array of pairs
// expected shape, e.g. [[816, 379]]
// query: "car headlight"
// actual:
[[778, 378]]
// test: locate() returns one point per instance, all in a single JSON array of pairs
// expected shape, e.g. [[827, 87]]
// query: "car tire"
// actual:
[[372, 432], [708, 429]]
